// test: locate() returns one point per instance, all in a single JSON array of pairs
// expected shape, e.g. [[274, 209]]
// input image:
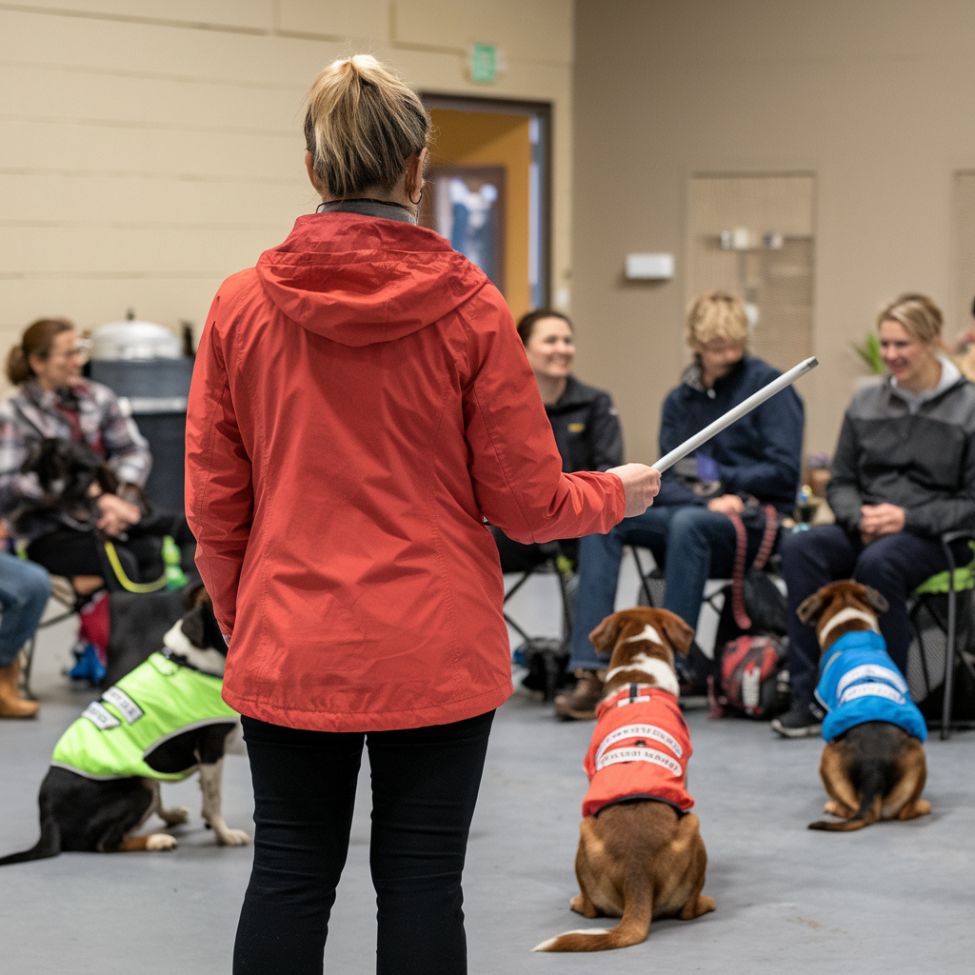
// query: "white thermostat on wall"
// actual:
[[649, 267]]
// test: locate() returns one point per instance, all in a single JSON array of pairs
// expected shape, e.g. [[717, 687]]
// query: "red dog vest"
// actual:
[[640, 749]]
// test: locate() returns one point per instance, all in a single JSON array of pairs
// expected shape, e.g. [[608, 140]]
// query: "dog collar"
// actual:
[[857, 640], [184, 661], [631, 694], [844, 616]]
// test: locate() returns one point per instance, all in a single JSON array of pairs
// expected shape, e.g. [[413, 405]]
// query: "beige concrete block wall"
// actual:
[[876, 99], [149, 148]]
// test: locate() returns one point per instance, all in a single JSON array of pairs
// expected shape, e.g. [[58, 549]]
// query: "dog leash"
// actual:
[[742, 619], [124, 581]]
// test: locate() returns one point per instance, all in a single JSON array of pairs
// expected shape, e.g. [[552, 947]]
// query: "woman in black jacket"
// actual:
[[584, 420], [903, 473]]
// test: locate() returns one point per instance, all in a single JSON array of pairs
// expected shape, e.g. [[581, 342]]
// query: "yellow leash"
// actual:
[[127, 584]]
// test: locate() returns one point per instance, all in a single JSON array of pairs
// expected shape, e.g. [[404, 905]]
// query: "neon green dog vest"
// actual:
[[148, 706]]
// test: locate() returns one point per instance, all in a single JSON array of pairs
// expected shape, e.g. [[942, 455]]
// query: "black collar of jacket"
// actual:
[[576, 394]]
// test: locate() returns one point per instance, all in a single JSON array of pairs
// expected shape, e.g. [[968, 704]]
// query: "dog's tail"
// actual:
[[633, 928], [49, 845], [871, 801]]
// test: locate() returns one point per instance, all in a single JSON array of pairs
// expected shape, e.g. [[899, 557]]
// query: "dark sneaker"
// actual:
[[798, 722], [579, 704]]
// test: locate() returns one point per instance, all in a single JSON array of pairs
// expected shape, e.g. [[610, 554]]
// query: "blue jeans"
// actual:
[[24, 591], [693, 542], [894, 565]]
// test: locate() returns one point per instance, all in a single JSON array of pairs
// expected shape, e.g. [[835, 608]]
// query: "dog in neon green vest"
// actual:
[[161, 722]]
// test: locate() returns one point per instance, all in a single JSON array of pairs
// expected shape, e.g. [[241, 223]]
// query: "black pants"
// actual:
[[424, 786], [894, 565]]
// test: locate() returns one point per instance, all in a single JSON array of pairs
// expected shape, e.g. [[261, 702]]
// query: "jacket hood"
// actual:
[[361, 280]]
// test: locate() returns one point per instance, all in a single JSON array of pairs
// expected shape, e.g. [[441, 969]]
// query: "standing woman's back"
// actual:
[[372, 383], [360, 403]]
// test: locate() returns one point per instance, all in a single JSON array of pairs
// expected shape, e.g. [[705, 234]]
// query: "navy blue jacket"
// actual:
[[759, 456]]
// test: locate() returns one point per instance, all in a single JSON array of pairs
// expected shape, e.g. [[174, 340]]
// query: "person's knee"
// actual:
[[33, 587], [877, 568], [38, 582], [803, 563], [797, 548], [693, 524]]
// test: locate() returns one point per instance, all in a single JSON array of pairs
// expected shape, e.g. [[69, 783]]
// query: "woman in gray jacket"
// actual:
[[903, 474]]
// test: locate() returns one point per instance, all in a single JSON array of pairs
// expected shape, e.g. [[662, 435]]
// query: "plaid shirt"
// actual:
[[102, 424]]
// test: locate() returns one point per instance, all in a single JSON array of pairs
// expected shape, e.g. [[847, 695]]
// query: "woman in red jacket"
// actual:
[[360, 404]]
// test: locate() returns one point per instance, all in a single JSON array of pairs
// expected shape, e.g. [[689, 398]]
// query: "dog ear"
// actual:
[[604, 637], [875, 600], [195, 595], [194, 627], [679, 634], [810, 608]]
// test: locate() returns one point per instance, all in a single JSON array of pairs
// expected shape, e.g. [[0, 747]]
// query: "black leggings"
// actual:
[[424, 787]]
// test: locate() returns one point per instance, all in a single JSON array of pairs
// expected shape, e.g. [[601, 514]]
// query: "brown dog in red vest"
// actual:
[[640, 852]]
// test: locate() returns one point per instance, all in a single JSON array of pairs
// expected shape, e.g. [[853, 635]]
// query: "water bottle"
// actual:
[[175, 577]]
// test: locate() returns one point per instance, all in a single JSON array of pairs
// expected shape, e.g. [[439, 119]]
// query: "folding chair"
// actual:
[[554, 564], [948, 600], [545, 658]]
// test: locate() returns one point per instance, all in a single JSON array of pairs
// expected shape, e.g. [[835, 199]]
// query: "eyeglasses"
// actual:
[[81, 352]]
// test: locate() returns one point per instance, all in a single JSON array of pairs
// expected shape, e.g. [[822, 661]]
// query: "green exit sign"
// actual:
[[484, 63]]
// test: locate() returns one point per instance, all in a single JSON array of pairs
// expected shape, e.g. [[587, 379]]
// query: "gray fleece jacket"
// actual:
[[917, 452]]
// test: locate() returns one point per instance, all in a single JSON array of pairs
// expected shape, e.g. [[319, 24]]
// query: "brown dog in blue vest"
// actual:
[[873, 765]]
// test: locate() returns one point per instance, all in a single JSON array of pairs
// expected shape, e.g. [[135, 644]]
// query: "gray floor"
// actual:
[[894, 898]]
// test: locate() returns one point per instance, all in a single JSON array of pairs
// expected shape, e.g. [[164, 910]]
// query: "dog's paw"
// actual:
[[581, 905], [835, 808], [233, 837], [176, 816], [161, 842]]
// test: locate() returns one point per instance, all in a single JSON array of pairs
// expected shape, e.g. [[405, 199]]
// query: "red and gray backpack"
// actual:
[[749, 675], [751, 678]]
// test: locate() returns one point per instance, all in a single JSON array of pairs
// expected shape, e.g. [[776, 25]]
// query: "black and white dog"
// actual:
[[161, 722]]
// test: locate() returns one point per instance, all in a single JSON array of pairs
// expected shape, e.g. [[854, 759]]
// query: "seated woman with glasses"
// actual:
[[54, 403]]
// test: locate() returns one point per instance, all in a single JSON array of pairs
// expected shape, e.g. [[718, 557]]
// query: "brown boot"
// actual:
[[580, 703], [12, 705]]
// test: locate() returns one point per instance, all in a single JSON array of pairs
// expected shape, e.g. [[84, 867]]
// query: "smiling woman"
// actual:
[[903, 473], [584, 420], [910, 343]]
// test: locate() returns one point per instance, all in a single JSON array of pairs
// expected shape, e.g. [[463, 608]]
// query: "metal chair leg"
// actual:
[[951, 649], [27, 652], [642, 574]]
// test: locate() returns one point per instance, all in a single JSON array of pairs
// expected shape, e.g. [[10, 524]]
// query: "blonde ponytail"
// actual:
[[361, 125]]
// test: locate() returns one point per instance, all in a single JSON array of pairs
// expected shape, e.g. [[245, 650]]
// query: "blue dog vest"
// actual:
[[859, 682]]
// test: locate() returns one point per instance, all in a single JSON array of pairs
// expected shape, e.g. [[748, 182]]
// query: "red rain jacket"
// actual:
[[639, 749], [360, 400]]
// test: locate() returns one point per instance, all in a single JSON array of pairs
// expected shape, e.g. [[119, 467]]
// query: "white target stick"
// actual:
[[735, 413]]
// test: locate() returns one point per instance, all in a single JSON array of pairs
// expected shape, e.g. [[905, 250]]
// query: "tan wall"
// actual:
[[148, 148], [876, 99]]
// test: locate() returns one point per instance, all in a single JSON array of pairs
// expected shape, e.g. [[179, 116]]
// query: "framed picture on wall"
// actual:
[[465, 204]]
